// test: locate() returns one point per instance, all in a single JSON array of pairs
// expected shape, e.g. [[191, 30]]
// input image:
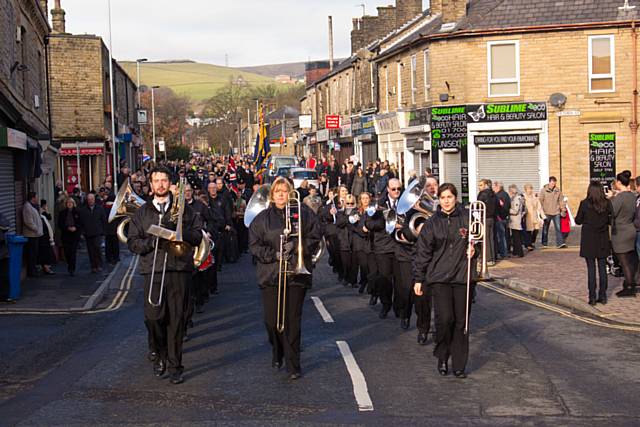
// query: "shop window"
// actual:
[[414, 79], [602, 64], [427, 86], [503, 64]]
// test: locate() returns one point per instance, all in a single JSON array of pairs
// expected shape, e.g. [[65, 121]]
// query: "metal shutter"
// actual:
[[453, 173], [7, 190], [518, 166]]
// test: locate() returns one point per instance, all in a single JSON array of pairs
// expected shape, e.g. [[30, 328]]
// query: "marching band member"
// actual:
[[264, 243], [166, 322], [345, 231], [363, 248], [384, 246], [441, 262]]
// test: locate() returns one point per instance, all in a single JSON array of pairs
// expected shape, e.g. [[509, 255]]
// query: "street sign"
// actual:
[[332, 122], [304, 122], [568, 113], [142, 117], [161, 145]]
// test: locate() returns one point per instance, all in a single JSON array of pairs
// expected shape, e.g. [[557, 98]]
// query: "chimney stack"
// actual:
[[331, 43], [451, 10], [57, 19]]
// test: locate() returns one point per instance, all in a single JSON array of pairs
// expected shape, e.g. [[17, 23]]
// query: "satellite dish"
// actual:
[[558, 100]]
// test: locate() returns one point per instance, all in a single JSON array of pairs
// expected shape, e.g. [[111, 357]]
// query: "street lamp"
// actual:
[[114, 145], [153, 119], [138, 61]]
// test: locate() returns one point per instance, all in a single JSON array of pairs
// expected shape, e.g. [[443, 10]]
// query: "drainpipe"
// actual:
[[634, 118]]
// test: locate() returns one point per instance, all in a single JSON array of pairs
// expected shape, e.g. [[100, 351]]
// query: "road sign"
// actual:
[[332, 122], [568, 113], [161, 145]]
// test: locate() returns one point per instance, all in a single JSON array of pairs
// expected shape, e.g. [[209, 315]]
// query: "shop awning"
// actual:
[[85, 148], [11, 138]]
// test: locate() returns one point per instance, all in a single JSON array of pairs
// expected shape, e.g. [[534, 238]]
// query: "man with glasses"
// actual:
[[384, 247]]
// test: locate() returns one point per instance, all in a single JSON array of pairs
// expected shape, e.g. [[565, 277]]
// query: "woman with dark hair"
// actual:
[[359, 184], [70, 225], [623, 232], [594, 214], [345, 238], [441, 258]]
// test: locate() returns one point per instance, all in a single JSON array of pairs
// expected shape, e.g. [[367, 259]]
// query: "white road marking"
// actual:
[[360, 389], [322, 310], [100, 291]]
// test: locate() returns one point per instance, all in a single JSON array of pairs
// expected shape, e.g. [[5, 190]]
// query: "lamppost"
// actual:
[[114, 138], [138, 61], [153, 120]]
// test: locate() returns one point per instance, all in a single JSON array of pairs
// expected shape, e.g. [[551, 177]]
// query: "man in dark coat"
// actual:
[[94, 223], [488, 197]]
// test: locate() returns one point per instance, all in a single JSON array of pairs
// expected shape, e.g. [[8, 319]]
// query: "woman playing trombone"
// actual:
[[271, 251], [441, 258]]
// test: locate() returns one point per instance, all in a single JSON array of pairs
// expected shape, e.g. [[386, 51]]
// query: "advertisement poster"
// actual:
[[602, 157]]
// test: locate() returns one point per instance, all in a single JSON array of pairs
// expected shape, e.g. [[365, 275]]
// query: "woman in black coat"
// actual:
[[362, 246], [265, 233], [594, 214], [440, 262], [344, 231], [69, 225]]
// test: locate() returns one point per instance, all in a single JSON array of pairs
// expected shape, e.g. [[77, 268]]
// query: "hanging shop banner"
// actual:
[[332, 122], [448, 127], [602, 157], [419, 117], [510, 112], [363, 125], [510, 139]]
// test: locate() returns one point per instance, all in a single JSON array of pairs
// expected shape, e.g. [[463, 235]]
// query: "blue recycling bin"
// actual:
[[16, 244]]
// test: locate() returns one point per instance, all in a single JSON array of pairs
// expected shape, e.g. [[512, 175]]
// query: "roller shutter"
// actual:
[[518, 166], [452, 169], [7, 190]]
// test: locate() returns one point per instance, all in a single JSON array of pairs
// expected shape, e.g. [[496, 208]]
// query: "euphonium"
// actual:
[[126, 204]]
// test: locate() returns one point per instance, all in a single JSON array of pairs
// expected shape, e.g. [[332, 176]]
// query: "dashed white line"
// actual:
[[322, 310], [360, 389]]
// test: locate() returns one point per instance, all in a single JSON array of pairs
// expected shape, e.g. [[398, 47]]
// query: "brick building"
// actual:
[[26, 156], [81, 107]]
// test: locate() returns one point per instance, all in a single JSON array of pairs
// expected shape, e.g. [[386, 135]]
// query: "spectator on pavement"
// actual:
[[69, 225], [516, 213], [94, 222], [503, 205], [359, 183], [595, 216], [32, 230], [488, 197], [552, 202], [534, 217], [46, 255], [623, 232]]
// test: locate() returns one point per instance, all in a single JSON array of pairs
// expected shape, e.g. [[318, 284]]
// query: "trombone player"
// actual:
[[167, 268], [273, 247]]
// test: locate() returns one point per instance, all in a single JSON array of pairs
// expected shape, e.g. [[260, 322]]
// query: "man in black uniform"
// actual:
[[384, 246], [218, 203], [165, 322]]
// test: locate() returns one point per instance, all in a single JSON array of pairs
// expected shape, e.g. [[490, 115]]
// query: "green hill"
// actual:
[[198, 81]]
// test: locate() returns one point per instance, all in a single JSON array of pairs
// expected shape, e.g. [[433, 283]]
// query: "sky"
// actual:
[[250, 32]]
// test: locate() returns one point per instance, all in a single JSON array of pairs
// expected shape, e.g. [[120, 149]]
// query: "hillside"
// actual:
[[293, 69], [196, 80]]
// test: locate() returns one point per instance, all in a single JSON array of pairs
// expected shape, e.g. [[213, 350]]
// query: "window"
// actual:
[[414, 79], [399, 91], [602, 64], [503, 64], [427, 85]]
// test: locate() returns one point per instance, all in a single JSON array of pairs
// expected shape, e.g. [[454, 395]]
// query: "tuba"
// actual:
[[416, 197], [126, 204]]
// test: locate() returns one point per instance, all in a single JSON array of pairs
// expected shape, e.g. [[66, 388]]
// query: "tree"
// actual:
[[171, 113]]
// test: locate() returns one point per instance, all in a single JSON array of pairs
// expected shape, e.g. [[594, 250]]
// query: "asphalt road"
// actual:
[[528, 366]]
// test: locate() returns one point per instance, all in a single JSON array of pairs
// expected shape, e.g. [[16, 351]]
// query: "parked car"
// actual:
[[284, 171], [300, 174], [278, 161]]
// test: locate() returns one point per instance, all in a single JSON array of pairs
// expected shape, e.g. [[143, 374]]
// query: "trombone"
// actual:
[[477, 227], [292, 229]]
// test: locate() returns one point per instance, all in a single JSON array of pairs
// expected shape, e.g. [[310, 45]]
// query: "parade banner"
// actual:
[[602, 157]]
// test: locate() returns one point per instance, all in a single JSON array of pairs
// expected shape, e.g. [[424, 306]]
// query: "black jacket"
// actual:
[[441, 251], [326, 220], [223, 209], [264, 244], [594, 237], [503, 205], [344, 230], [94, 221], [383, 242], [489, 198], [143, 244], [405, 252], [66, 235], [361, 240]]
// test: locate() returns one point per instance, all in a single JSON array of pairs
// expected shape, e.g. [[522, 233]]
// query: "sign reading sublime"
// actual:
[[511, 112], [448, 127], [602, 157]]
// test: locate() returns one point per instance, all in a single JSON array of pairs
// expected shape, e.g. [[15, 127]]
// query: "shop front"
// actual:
[[365, 144], [81, 165], [414, 126], [390, 140]]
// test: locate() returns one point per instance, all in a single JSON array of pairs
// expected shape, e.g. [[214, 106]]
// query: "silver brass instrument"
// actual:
[[416, 197], [258, 202], [126, 204], [477, 227]]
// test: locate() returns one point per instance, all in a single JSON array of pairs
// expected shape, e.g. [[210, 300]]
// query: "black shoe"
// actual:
[[384, 312], [295, 376], [186, 337], [362, 288], [373, 300], [602, 300], [626, 293], [422, 338], [159, 368], [152, 356], [176, 378], [460, 374], [443, 368], [592, 302], [199, 309], [404, 324], [276, 364]]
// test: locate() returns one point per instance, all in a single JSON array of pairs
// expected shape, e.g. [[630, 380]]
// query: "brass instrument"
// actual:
[[126, 204], [477, 227], [416, 197]]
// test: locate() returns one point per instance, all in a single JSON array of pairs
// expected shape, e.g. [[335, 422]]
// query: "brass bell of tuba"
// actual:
[[126, 204]]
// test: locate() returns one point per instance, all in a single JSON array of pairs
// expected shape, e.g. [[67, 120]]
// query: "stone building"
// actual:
[[26, 156], [81, 107]]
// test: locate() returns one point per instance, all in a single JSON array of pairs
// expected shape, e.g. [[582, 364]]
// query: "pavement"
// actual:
[[527, 367], [62, 292], [559, 277]]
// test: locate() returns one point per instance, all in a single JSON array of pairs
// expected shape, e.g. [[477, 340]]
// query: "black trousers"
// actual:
[[403, 289], [243, 235], [349, 266], [31, 250], [629, 263], [202, 282], [384, 281], [70, 248], [335, 251], [112, 248], [422, 305], [286, 344], [591, 276], [366, 266], [95, 255], [165, 323], [516, 242], [490, 240], [212, 278], [450, 302]]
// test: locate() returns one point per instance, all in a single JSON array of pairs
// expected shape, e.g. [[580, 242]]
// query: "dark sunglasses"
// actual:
[[395, 189]]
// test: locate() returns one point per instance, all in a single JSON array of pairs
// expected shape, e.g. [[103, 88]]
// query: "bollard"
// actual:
[[16, 244]]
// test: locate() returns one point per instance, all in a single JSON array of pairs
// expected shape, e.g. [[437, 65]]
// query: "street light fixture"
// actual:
[[114, 138], [153, 119]]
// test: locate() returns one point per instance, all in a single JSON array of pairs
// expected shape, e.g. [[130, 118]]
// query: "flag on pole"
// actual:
[[232, 171], [263, 150]]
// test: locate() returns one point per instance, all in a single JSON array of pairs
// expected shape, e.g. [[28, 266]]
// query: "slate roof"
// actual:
[[496, 14]]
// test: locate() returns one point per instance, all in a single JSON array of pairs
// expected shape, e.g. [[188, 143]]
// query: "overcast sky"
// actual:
[[251, 32]]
